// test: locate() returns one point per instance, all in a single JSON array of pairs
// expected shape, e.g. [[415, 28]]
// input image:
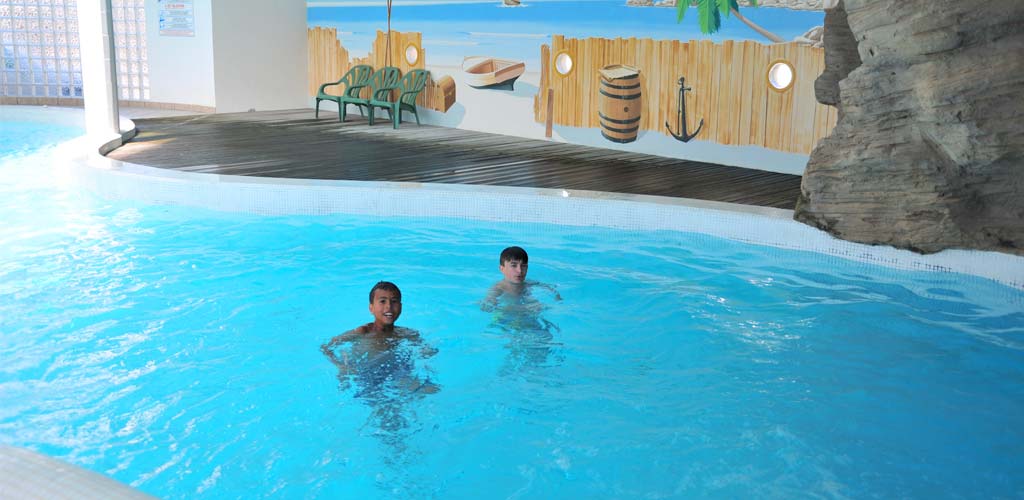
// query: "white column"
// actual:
[[99, 71]]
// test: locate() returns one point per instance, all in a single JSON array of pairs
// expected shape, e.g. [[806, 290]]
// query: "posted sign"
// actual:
[[176, 18]]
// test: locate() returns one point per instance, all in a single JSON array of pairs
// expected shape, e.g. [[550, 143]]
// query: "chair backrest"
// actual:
[[412, 84], [356, 78], [388, 76]]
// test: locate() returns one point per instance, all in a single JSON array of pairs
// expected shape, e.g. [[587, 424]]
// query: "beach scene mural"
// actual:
[[600, 73]]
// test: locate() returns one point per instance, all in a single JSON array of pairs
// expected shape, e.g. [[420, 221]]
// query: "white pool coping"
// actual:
[[278, 196], [28, 475]]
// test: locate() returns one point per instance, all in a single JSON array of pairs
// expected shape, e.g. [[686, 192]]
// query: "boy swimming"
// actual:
[[513, 264], [380, 353], [517, 315]]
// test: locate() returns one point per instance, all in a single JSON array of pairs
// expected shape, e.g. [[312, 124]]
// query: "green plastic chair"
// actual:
[[352, 83], [384, 78], [408, 89]]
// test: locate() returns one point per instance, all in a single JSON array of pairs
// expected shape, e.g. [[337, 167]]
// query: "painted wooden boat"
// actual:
[[491, 73]]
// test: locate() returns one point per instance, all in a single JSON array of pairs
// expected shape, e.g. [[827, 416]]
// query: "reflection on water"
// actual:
[[381, 370]]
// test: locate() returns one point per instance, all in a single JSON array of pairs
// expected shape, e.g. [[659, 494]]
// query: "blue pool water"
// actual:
[[178, 350], [19, 137]]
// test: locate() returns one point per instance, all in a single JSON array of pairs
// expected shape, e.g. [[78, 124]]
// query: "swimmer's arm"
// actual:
[[426, 351], [341, 363], [341, 339], [328, 349], [491, 300], [550, 288]]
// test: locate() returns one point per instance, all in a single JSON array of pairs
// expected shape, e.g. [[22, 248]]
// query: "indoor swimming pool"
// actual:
[[177, 349]]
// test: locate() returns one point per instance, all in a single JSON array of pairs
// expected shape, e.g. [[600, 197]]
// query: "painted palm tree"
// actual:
[[387, 51], [709, 16]]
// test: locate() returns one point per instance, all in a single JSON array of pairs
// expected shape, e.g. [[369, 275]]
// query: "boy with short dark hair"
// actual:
[[385, 306], [513, 264], [381, 337], [517, 314]]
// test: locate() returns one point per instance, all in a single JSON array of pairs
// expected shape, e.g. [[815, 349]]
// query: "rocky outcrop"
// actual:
[[841, 57], [928, 152]]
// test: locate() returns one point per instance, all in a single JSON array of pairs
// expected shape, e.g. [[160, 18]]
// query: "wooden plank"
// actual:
[[714, 54], [570, 84], [804, 103], [585, 106], [746, 91], [703, 87], [557, 45], [657, 101], [291, 144], [649, 73], [667, 91], [788, 101], [693, 113], [779, 103], [758, 96], [727, 109], [541, 102]]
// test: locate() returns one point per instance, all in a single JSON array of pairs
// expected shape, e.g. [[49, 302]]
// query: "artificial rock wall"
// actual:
[[928, 151]]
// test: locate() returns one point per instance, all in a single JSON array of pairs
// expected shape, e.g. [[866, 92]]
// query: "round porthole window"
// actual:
[[781, 75], [563, 63], [412, 54]]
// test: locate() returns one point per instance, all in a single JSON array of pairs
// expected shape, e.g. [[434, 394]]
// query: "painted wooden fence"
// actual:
[[729, 81], [328, 61]]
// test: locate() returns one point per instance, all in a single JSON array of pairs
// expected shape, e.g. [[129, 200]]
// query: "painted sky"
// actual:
[[370, 3], [452, 31]]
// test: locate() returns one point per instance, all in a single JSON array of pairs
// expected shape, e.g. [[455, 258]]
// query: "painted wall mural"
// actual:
[[599, 72]]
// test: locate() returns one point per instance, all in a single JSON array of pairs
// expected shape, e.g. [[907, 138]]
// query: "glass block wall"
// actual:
[[39, 49], [130, 43]]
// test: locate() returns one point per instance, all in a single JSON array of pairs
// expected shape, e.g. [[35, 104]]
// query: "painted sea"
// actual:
[[452, 31]]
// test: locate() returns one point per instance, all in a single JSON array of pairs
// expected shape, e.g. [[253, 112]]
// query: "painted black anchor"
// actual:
[[683, 136]]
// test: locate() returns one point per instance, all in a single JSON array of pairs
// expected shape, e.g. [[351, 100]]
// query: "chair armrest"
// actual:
[[413, 93], [328, 84], [383, 91], [352, 91]]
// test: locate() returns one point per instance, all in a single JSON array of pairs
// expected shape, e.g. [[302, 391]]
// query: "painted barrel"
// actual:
[[619, 103]]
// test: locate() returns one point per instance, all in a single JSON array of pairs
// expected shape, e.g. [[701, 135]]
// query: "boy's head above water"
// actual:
[[513, 264], [385, 305]]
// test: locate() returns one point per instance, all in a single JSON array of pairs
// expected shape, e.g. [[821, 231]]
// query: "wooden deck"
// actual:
[[292, 144]]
